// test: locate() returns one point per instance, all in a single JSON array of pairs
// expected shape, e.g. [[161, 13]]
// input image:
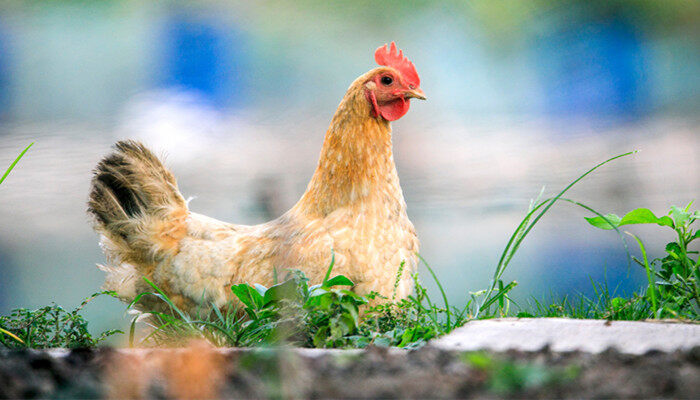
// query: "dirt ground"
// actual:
[[202, 372]]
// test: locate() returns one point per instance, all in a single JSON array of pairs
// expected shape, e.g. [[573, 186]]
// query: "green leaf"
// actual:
[[318, 291], [353, 295], [638, 216], [354, 313], [645, 216], [286, 290], [617, 303], [338, 280], [601, 223], [248, 295], [695, 236], [383, 341], [679, 216], [322, 301], [320, 337]]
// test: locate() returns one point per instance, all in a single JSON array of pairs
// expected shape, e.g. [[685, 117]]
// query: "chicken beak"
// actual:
[[416, 93]]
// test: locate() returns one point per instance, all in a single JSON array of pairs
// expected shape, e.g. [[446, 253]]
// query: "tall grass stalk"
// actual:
[[442, 291], [650, 274], [524, 228]]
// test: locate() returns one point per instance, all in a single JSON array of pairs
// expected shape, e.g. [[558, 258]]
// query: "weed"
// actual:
[[291, 312], [49, 326], [673, 289]]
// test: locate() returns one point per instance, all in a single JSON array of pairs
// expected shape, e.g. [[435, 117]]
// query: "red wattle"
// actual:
[[395, 109]]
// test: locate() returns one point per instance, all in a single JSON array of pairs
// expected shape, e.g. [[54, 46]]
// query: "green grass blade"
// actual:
[[9, 169], [216, 327], [167, 300], [442, 291], [330, 268], [650, 275], [132, 331], [12, 335]]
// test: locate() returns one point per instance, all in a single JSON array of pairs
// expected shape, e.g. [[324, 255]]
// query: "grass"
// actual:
[[12, 166], [49, 326], [673, 282], [328, 316]]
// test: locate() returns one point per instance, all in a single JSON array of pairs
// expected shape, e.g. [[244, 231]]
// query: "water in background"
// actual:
[[239, 96]]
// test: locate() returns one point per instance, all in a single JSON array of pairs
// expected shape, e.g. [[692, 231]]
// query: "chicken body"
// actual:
[[353, 206]]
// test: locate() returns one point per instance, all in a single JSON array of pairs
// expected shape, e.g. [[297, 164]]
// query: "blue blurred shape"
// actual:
[[203, 57], [593, 68], [571, 269]]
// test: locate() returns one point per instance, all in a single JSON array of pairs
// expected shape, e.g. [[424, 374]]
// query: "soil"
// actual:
[[202, 372]]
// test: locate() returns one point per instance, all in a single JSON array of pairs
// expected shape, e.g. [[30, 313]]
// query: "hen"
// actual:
[[353, 207]]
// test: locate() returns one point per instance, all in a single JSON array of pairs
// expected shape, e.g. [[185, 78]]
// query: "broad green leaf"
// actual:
[[601, 223], [339, 280], [354, 313], [248, 295], [285, 290], [319, 291], [645, 216], [319, 300], [638, 216]]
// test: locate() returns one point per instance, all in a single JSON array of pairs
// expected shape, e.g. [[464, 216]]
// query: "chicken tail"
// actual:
[[138, 210]]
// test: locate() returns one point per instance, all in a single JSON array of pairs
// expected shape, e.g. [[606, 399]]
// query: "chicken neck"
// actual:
[[356, 165]]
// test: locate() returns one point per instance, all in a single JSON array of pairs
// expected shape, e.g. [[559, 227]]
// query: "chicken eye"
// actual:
[[387, 80]]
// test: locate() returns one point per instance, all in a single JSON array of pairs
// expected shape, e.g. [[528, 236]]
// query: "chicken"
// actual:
[[353, 208]]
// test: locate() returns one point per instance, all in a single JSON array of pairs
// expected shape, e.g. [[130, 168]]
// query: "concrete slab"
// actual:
[[561, 335]]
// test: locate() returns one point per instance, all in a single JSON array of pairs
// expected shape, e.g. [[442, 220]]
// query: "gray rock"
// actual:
[[564, 335]]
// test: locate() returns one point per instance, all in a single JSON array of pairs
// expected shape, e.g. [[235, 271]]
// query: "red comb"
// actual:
[[392, 57]]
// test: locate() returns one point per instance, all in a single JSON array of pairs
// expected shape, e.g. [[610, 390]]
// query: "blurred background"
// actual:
[[522, 95]]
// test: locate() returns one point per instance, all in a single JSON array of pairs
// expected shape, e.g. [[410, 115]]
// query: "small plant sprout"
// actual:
[[673, 281]]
